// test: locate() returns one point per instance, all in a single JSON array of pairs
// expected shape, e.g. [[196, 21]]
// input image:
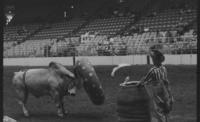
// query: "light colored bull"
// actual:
[[55, 81]]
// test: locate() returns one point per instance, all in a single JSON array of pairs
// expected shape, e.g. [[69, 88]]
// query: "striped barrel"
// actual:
[[133, 104]]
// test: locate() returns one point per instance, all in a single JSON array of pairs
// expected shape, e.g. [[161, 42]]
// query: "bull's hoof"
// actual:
[[72, 94], [26, 114], [61, 115], [65, 112]]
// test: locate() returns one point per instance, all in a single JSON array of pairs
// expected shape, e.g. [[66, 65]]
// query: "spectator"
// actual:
[[157, 33], [141, 29], [19, 32], [132, 15], [65, 14], [168, 36], [180, 30], [85, 14], [47, 49], [146, 29], [133, 29], [115, 12], [24, 29], [182, 11], [154, 13], [194, 33], [121, 14], [111, 40], [159, 36], [96, 33], [180, 19], [188, 10], [128, 14]]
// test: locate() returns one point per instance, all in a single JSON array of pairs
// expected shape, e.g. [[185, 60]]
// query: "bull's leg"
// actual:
[[59, 103], [62, 106], [22, 99]]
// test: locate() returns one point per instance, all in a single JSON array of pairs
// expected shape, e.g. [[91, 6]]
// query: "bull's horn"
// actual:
[[118, 67]]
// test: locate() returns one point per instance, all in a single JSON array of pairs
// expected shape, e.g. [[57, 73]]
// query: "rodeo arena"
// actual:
[[100, 61]]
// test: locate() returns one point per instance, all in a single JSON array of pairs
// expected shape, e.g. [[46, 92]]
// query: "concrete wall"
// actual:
[[181, 59], [101, 60]]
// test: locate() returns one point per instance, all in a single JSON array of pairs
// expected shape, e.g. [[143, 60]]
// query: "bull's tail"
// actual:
[[20, 86], [24, 79], [21, 90], [19, 77]]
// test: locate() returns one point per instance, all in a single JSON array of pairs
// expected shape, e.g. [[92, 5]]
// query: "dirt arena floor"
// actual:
[[183, 84]]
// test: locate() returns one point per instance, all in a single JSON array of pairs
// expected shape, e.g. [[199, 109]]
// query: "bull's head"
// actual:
[[65, 74], [61, 70]]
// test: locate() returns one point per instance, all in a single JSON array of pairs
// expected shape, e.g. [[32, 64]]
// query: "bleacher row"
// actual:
[[167, 20], [54, 35], [17, 33], [57, 30], [106, 26]]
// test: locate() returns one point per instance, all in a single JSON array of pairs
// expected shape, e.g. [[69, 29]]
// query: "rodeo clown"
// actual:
[[157, 86]]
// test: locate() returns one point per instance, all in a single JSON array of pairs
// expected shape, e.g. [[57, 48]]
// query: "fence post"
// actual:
[[74, 56], [148, 59]]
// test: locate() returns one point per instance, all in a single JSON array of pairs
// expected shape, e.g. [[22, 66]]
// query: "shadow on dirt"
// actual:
[[86, 115], [53, 116]]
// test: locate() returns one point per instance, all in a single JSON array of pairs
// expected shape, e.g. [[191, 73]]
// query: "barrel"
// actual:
[[91, 82], [133, 104]]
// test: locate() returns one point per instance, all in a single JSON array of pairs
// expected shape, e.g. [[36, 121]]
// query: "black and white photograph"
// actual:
[[99, 61]]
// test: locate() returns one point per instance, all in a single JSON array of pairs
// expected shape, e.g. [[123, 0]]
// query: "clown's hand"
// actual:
[[140, 84], [126, 79]]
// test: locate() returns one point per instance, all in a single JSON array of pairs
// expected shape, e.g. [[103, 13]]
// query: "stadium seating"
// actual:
[[90, 46], [54, 39], [9, 44], [27, 49], [167, 20], [106, 26], [18, 33], [57, 30], [37, 48]]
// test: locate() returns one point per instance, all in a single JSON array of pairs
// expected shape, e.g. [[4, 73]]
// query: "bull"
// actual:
[[55, 81]]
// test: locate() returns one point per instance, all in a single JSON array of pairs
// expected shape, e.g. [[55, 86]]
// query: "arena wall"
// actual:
[[100, 60]]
